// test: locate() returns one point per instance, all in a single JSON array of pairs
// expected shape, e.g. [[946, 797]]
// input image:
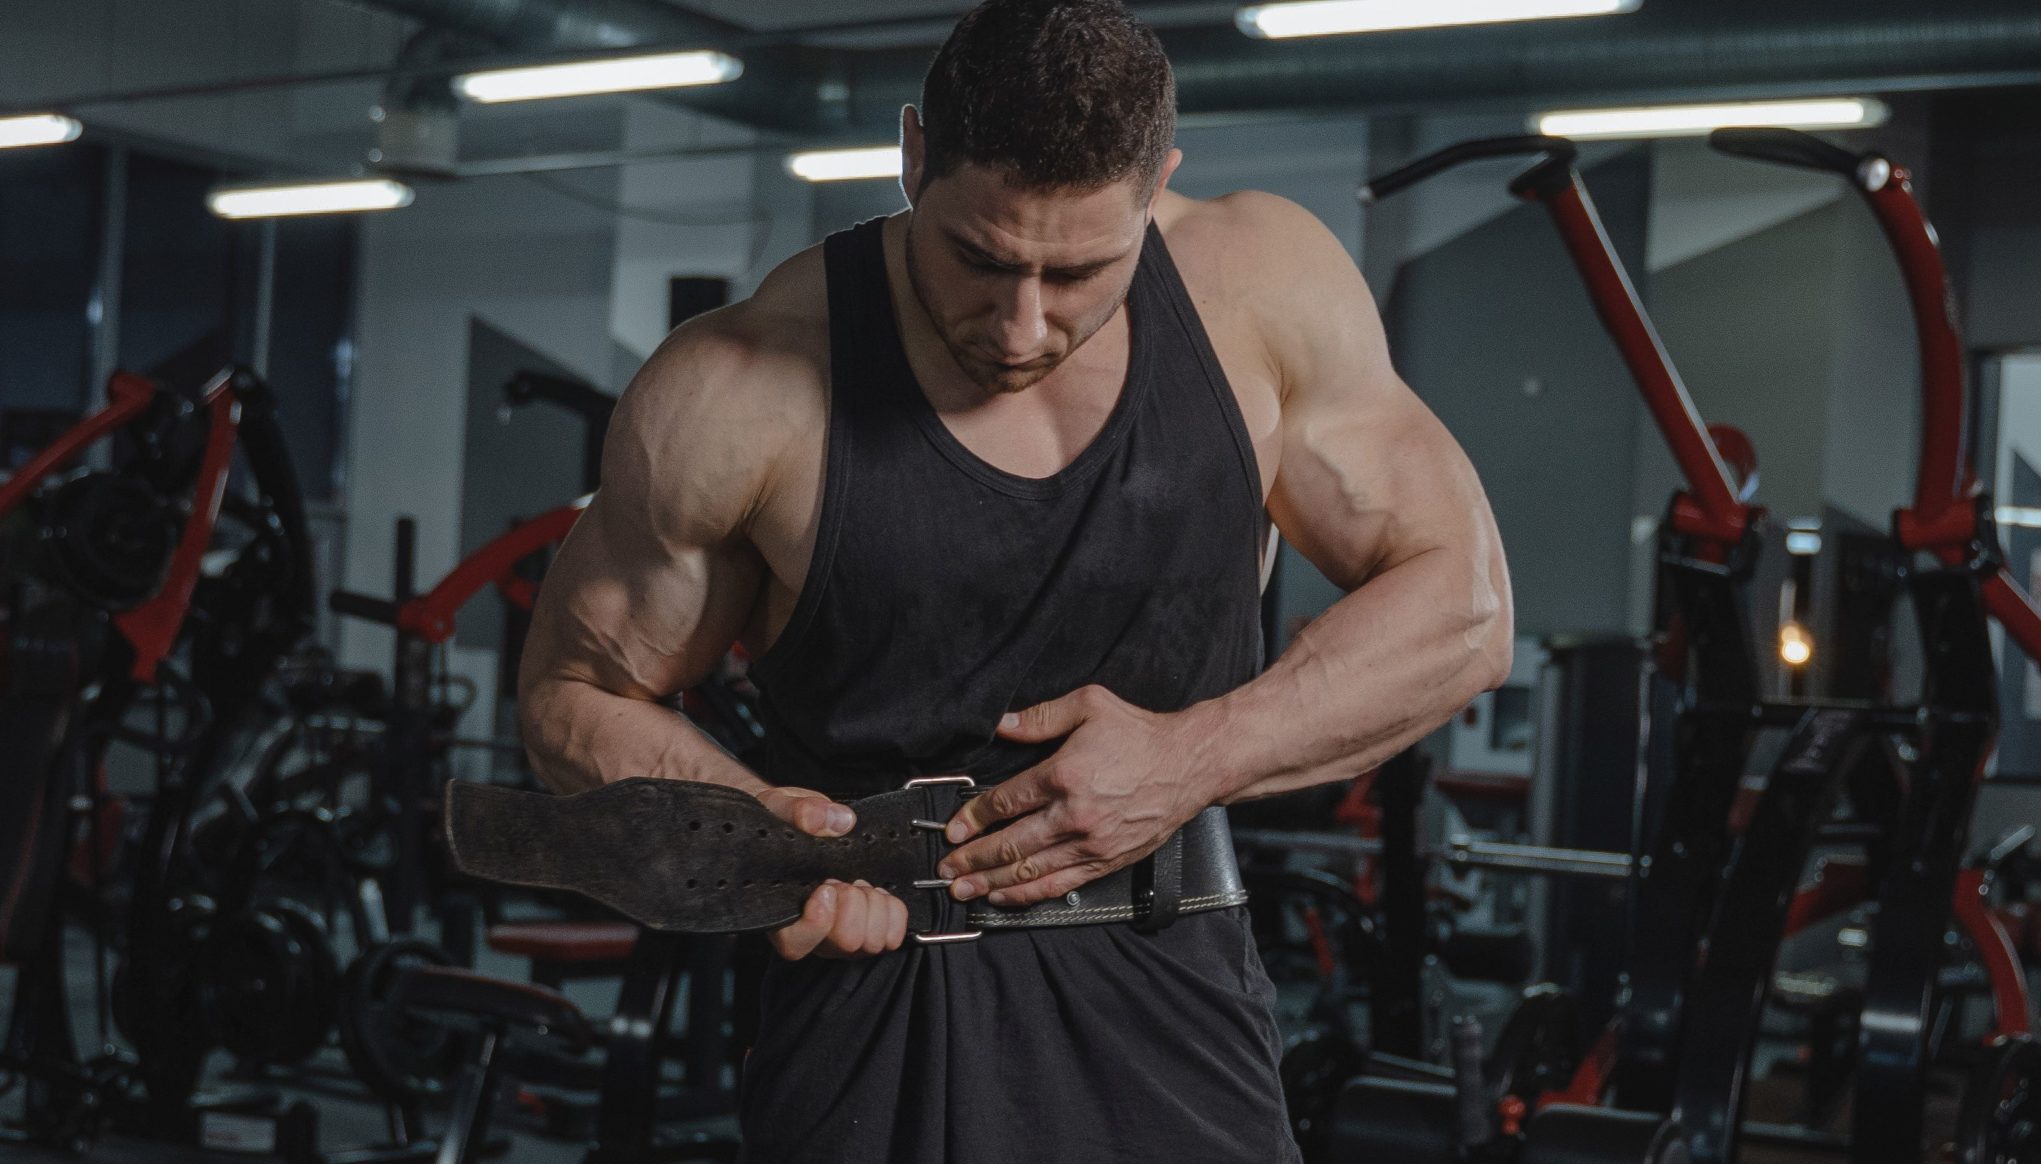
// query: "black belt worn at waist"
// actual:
[[702, 858]]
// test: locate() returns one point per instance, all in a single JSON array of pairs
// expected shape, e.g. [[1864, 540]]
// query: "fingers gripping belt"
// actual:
[[702, 858]]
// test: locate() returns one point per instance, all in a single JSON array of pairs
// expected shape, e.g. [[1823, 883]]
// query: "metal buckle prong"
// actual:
[[941, 883], [960, 936]]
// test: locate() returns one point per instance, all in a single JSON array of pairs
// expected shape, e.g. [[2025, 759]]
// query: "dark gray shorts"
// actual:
[[1086, 1044]]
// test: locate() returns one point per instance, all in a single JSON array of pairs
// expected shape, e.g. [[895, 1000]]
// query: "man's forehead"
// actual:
[[1051, 227]]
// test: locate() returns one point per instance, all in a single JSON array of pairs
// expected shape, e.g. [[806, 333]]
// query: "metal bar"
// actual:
[[1396, 1002], [265, 298], [1789, 1136], [1917, 897], [106, 296]]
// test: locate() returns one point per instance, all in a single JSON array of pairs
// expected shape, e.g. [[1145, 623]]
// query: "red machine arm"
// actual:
[[431, 615], [1943, 519], [152, 627], [1709, 510], [127, 395]]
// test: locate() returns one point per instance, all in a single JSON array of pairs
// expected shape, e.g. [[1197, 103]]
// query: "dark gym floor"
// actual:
[[348, 1116]]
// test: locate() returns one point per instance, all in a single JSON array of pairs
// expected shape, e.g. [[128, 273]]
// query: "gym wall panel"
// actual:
[[1751, 327], [2012, 795], [1873, 418], [501, 250], [1701, 200], [1988, 159], [724, 216], [51, 207], [1494, 332]]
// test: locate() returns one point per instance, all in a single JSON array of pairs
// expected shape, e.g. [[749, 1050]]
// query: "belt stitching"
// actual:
[[1102, 913]]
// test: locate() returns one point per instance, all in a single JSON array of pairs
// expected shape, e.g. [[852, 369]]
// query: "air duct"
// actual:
[[1669, 50]]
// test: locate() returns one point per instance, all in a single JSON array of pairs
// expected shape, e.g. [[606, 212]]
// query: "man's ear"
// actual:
[[913, 152], [1169, 165]]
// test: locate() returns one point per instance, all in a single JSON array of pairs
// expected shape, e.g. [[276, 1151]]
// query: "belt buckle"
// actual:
[[941, 884]]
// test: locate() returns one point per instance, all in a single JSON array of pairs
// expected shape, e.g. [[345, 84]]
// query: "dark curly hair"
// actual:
[[1052, 93]]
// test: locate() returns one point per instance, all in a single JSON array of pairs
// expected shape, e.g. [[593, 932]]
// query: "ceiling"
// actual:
[[55, 49]]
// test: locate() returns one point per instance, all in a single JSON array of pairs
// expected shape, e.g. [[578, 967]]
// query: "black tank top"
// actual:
[[945, 592]]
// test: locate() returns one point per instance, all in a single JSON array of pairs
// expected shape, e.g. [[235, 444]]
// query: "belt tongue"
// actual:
[[944, 795]]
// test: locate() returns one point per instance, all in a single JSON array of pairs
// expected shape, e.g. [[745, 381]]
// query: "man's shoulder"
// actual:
[[1252, 251], [756, 357], [726, 398], [1256, 230]]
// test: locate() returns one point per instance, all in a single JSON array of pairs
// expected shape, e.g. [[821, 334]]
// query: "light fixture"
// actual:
[[846, 165], [2025, 516], [38, 129], [1804, 543], [1336, 17], [1796, 646], [1693, 120], [611, 75], [276, 200]]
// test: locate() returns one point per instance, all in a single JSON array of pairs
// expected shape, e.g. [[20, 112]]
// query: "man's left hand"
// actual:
[[1118, 787]]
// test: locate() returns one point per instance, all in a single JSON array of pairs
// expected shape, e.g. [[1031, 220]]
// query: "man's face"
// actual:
[[1016, 280]]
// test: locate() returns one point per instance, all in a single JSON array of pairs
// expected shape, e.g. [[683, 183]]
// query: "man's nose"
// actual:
[[1019, 327]]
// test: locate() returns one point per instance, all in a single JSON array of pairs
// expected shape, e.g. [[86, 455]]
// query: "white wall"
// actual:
[[522, 258], [727, 216]]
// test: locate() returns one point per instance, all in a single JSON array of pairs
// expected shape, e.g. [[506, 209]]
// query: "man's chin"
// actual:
[[1002, 379]]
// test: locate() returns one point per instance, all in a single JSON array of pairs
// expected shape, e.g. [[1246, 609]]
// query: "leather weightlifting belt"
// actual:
[[702, 858]]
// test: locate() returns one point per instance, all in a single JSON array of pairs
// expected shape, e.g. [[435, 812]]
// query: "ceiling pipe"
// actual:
[[1669, 49], [778, 84]]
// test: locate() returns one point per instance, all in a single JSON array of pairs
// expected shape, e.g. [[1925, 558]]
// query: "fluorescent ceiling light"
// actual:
[[342, 197], [846, 165], [1683, 120], [38, 129], [613, 75], [1332, 17]]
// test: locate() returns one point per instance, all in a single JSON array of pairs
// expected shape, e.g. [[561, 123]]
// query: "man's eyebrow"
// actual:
[[977, 253]]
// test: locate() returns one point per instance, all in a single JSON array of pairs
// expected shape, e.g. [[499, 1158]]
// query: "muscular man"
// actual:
[[985, 486]]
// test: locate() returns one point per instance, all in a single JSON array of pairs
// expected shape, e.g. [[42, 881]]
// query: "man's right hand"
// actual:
[[840, 920]]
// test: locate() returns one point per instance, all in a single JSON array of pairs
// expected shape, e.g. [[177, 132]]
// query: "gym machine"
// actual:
[[416, 1024], [1677, 1058], [106, 575]]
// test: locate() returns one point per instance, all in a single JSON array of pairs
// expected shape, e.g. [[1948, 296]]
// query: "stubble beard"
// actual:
[[989, 376]]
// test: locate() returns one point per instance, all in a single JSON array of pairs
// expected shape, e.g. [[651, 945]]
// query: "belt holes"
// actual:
[[694, 826], [728, 827], [789, 833], [761, 834], [721, 883], [690, 883]]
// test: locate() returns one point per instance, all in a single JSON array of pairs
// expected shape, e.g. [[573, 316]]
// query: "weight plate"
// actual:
[[252, 975], [399, 1056], [1540, 1046], [316, 1000]]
